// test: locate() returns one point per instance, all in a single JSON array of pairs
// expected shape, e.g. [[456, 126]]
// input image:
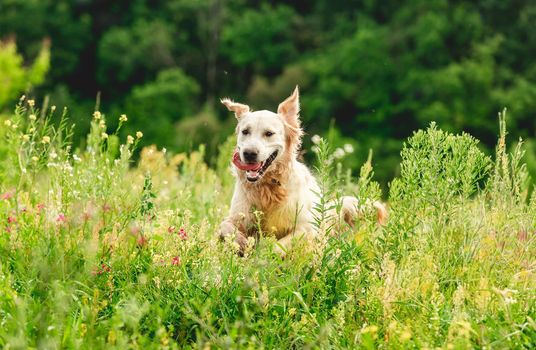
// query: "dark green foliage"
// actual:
[[161, 103], [262, 39], [380, 69], [134, 54]]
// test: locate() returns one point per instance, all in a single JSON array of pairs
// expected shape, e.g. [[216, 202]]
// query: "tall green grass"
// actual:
[[99, 252]]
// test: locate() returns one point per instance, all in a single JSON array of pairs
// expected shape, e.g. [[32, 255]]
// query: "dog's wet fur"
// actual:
[[270, 179]]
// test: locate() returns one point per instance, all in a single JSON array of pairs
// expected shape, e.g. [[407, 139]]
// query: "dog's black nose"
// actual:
[[250, 156]]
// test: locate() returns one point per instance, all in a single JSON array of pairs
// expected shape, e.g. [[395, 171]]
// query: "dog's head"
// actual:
[[266, 139]]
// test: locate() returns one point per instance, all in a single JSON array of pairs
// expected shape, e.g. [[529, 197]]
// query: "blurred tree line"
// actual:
[[374, 70]]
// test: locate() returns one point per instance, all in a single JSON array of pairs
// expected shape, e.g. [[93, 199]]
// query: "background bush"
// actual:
[[379, 69]]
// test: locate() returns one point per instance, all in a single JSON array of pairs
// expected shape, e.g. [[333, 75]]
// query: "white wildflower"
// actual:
[[348, 148], [339, 153]]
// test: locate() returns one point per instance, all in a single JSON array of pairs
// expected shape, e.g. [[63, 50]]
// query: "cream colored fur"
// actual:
[[287, 192]]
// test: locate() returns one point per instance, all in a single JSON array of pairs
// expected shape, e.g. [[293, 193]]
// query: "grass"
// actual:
[[99, 252]]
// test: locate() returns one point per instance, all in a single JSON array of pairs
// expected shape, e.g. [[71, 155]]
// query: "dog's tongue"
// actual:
[[243, 166]]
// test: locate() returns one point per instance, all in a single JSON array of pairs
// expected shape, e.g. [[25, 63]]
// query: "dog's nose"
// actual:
[[250, 156]]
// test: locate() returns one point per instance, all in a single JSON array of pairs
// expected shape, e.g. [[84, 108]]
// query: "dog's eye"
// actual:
[[245, 132], [268, 133]]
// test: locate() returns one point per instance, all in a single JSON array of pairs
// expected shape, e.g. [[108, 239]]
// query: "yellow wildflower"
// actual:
[[372, 330], [46, 139], [123, 118], [405, 335], [139, 134]]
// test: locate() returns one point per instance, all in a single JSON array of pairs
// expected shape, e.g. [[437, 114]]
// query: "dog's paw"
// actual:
[[230, 233], [241, 243], [226, 229]]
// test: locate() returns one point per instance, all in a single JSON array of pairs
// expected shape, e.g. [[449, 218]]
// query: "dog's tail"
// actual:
[[351, 209], [381, 212]]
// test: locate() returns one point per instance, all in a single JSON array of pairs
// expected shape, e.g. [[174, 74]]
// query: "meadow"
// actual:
[[99, 251]]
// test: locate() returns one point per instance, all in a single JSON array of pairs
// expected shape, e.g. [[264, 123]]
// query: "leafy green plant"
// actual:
[[439, 171], [326, 191], [15, 77], [96, 253]]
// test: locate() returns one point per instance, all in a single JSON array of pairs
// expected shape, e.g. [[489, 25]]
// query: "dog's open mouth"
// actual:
[[256, 170]]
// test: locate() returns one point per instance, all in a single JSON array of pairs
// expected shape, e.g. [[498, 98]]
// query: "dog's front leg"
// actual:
[[231, 226], [237, 221]]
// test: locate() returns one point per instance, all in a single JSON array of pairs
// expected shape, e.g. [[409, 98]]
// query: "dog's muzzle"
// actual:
[[254, 171]]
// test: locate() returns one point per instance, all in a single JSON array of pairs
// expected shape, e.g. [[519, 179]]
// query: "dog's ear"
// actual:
[[290, 111], [290, 108], [238, 108]]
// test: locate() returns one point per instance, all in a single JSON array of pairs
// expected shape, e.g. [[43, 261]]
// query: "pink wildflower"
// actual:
[[61, 218], [175, 261], [99, 270], [142, 241], [11, 220], [182, 234], [171, 229], [8, 195], [135, 230]]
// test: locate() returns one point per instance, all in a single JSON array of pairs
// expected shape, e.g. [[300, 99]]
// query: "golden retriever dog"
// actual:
[[271, 180]]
